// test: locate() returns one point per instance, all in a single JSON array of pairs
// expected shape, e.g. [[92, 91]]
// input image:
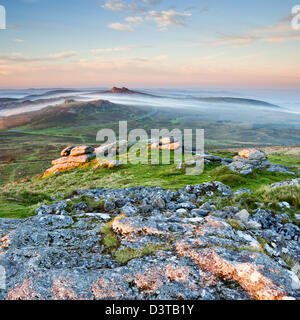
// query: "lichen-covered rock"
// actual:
[[149, 243], [108, 163], [286, 183], [243, 215], [280, 168], [72, 157], [253, 154], [56, 208], [82, 150], [250, 159], [71, 160], [241, 167]]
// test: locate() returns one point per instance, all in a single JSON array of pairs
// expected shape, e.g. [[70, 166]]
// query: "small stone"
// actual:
[[273, 244], [243, 215], [200, 212], [187, 205], [109, 205], [206, 206], [271, 251], [80, 207], [146, 208], [284, 205], [129, 210], [210, 193], [242, 191], [199, 200], [195, 220], [158, 202], [251, 224], [103, 216], [295, 281], [241, 167], [181, 212]]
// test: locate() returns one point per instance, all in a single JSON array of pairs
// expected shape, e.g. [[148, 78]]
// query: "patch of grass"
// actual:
[[235, 224], [272, 197], [284, 159], [232, 180], [233, 248], [226, 176], [261, 241], [16, 211], [107, 227], [290, 194], [245, 248], [220, 171], [124, 255], [288, 260], [223, 154], [110, 239], [129, 175], [21, 205], [90, 202], [27, 197], [253, 181], [268, 197]]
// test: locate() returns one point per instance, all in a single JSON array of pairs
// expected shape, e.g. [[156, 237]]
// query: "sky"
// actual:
[[150, 43]]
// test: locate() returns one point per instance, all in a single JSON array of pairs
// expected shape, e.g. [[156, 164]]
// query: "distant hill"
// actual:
[[238, 101], [70, 114], [11, 104], [7, 100], [121, 90], [51, 93], [125, 91]]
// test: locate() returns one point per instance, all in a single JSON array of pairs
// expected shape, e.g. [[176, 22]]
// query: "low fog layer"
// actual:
[[237, 106], [29, 108]]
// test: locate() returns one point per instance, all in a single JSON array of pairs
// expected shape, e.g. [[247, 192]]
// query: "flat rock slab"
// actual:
[[174, 254]]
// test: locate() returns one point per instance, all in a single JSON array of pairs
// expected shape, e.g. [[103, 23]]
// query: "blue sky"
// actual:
[[149, 43]]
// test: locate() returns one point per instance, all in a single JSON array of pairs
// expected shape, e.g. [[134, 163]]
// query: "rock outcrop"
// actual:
[[122, 90], [292, 182], [166, 144], [150, 243], [245, 162], [72, 157], [248, 160]]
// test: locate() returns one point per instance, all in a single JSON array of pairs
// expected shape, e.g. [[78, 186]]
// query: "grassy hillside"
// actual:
[[72, 114], [35, 138], [19, 200]]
